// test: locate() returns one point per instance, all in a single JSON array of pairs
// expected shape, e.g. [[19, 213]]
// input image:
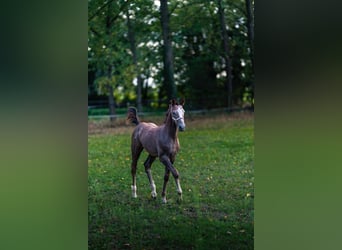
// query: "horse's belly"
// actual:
[[151, 149]]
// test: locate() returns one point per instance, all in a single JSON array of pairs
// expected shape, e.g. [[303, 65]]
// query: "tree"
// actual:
[[131, 38], [250, 28], [107, 53], [108, 85], [226, 46], [167, 51]]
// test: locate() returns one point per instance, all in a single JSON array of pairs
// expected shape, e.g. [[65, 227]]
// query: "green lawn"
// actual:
[[217, 177]]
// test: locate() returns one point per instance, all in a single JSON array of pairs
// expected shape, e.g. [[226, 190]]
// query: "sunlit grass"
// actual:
[[217, 176]]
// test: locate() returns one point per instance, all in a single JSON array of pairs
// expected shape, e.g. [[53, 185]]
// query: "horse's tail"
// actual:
[[132, 116]]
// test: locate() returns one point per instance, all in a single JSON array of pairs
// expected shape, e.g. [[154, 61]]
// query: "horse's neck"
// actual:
[[171, 127]]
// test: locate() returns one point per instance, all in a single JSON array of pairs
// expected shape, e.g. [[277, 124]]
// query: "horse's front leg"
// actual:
[[166, 179], [150, 159], [166, 161]]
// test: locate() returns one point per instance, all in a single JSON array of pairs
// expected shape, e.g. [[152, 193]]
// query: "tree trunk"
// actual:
[[131, 38], [168, 53], [145, 89], [228, 65], [250, 28], [111, 100], [250, 31]]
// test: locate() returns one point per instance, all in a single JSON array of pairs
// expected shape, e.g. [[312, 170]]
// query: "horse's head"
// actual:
[[177, 114]]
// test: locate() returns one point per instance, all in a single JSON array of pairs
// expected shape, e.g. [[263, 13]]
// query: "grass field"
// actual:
[[217, 177]]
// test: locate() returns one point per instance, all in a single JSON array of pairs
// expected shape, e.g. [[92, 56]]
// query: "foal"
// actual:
[[158, 141]]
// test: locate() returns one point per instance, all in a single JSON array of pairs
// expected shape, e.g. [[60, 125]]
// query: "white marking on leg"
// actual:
[[154, 191], [134, 191], [179, 188], [164, 199]]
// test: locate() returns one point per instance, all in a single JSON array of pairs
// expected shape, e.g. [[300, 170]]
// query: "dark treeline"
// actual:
[[145, 52]]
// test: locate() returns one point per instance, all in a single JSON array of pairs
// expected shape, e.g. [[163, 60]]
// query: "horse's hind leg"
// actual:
[[136, 151], [150, 159]]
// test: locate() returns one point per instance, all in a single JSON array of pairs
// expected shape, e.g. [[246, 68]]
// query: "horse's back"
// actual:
[[145, 128]]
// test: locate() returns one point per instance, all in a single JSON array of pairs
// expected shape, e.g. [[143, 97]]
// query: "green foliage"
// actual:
[[216, 167], [201, 52], [197, 45]]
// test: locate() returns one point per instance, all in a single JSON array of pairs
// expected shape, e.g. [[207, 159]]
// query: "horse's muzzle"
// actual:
[[181, 128]]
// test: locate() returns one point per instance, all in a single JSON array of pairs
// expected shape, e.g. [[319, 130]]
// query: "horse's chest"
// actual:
[[176, 146]]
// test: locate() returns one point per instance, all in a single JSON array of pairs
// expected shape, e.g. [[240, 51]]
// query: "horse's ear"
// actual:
[[182, 101], [173, 102]]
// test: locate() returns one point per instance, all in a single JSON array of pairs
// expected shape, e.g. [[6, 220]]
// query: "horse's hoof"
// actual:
[[180, 198], [164, 201], [154, 195]]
